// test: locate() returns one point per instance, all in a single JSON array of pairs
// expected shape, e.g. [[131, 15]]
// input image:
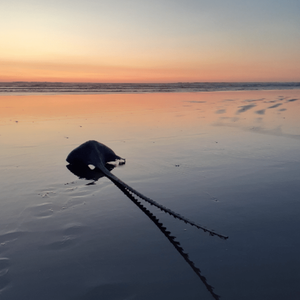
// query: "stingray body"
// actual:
[[92, 153], [99, 155]]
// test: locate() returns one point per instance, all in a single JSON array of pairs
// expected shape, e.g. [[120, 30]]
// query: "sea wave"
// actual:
[[113, 88]]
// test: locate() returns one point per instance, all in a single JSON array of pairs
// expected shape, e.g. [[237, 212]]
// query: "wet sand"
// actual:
[[227, 160]]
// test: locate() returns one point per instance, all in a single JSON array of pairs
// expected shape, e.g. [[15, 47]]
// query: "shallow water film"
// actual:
[[228, 161]]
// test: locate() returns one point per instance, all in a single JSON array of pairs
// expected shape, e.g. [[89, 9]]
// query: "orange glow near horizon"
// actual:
[[222, 72]]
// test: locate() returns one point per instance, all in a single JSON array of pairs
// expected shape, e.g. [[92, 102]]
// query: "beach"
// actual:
[[228, 160]]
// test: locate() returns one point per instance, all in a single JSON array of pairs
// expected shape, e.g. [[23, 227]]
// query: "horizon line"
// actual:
[[171, 82]]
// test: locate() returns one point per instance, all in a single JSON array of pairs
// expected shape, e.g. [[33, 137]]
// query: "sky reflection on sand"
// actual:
[[152, 112], [202, 155]]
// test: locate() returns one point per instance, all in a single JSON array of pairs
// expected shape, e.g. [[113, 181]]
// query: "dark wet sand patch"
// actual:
[[275, 105], [260, 112], [244, 108], [221, 111]]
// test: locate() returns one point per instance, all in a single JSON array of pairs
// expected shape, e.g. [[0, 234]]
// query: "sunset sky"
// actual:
[[149, 41]]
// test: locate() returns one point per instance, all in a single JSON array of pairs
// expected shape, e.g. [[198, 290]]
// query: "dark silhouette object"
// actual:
[[85, 172], [99, 155]]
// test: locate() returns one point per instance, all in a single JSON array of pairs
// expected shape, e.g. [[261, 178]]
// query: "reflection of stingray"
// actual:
[[87, 173], [98, 155], [83, 171]]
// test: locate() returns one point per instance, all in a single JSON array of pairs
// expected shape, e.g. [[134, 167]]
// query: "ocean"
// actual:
[[121, 88]]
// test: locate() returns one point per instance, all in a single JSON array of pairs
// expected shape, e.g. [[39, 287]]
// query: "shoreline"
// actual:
[[136, 93]]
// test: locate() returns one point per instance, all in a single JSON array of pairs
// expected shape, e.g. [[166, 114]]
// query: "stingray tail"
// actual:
[[170, 237], [116, 180]]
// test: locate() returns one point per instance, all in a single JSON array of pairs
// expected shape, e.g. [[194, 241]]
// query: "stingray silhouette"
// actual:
[[99, 155]]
